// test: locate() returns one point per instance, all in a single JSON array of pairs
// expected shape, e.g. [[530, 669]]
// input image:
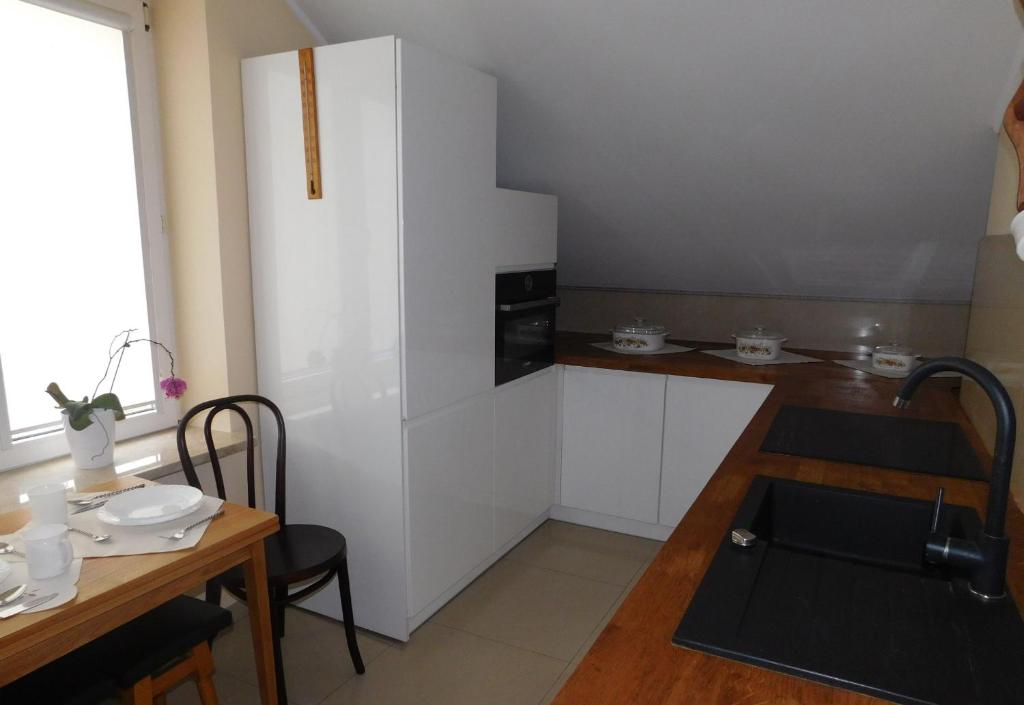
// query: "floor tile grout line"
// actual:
[[562, 572], [602, 623], [366, 662], [499, 641], [544, 698]]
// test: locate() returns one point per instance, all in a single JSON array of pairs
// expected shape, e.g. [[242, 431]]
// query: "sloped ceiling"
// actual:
[[788, 147]]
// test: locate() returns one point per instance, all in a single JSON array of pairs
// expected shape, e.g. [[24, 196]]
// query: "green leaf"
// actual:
[[111, 402], [58, 396], [78, 414]]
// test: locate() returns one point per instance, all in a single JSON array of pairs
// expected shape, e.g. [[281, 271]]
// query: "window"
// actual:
[[83, 255]]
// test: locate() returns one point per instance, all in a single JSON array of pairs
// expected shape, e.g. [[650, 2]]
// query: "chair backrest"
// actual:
[[215, 406]]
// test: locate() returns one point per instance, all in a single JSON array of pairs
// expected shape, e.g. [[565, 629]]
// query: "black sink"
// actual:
[[835, 590], [916, 445]]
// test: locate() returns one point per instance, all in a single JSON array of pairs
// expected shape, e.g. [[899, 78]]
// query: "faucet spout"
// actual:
[[985, 557]]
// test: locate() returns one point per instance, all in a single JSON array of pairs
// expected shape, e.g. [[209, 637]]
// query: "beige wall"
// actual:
[[1003, 205], [199, 45], [932, 329], [995, 337]]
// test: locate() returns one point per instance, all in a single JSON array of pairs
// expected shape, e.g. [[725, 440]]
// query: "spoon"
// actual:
[[8, 548], [180, 533], [15, 593], [98, 538]]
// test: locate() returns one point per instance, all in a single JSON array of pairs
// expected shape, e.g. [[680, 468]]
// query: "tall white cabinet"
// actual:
[[374, 313]]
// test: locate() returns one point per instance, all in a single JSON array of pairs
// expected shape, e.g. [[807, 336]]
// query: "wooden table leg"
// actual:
[[258, 599]]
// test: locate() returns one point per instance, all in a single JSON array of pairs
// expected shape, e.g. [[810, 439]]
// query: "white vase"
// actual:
[[93, 446]]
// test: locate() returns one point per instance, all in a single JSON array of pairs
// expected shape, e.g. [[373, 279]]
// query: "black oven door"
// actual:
[[525, 339], [524, 333]]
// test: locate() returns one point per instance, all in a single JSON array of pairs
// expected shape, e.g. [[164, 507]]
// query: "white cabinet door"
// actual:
[[451, 496], [703, 419], [447, 119], [527, 227], [611, 442], [525, 419]]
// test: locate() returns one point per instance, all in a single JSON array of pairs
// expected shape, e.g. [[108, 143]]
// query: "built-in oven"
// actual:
[[524, 325]]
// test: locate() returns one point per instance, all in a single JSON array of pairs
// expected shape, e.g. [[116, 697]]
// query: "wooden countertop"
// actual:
[[634, 661]]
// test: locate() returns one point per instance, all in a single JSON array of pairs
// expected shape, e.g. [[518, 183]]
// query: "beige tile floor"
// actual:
[[512, 637]]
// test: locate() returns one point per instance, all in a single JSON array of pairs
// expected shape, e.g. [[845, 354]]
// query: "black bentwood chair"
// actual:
[[297, 553]]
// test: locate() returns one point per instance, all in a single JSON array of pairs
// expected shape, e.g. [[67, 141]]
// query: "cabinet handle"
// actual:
[[527, 305]]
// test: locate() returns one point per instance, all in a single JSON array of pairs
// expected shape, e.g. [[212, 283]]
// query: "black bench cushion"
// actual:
[[149, 643]]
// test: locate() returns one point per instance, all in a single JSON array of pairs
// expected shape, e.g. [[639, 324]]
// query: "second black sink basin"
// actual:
[[901, 443], [836, 590]]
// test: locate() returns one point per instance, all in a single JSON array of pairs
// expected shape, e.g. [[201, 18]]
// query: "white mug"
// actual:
[[47, 550], [48, 504]]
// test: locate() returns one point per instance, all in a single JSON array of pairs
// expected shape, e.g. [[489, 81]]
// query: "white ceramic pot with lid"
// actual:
[[894, 358], [639, 335], [759, 343]]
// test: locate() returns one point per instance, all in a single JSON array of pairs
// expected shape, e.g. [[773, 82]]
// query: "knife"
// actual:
[[89, 507], [27, 605]]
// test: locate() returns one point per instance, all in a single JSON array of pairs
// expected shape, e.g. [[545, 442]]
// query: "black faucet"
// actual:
[[985, 557]]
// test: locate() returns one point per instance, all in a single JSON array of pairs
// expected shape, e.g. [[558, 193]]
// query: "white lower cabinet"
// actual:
[[638, 448], [703, 419], [450, 456], [525, 437], [611, 442]]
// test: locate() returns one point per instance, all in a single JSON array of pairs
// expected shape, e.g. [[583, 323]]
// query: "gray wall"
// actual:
[[785, 147]]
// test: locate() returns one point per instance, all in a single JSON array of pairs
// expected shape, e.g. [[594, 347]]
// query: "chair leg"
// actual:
[[275, 629], [350, 624], [278, 601], [213, 591], [140, 694], [204, 674], [160, 699]]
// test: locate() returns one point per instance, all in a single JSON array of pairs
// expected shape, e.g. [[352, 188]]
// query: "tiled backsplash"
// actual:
[[995, 339], [819, 324]]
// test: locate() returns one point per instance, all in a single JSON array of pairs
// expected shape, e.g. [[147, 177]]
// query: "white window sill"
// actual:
[[151, 456]]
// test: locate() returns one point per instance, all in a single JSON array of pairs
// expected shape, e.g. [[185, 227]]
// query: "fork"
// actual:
[[180, 533]]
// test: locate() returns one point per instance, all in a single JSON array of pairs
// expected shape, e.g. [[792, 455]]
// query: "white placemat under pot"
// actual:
[[785, 358], [866, 366]]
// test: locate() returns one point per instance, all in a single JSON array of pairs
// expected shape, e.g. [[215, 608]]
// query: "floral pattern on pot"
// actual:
[[634, 343], [755, 350]]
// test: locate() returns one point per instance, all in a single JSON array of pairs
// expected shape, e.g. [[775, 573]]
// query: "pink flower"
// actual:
[[173, 387]]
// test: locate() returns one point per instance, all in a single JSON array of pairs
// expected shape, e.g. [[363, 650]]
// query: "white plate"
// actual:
[[150, 505]]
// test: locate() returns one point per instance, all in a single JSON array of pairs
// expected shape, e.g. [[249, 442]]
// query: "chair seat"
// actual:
[[150, 642], [295, 553], [66, 681]]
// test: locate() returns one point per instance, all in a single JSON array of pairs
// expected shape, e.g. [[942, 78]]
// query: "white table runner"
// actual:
[[130, 540], [63, 585]]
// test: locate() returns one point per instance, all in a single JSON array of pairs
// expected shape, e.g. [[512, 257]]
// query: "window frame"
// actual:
[[128, 16]]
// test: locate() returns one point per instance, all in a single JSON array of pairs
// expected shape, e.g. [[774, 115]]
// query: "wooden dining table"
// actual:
[[112, 591]]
